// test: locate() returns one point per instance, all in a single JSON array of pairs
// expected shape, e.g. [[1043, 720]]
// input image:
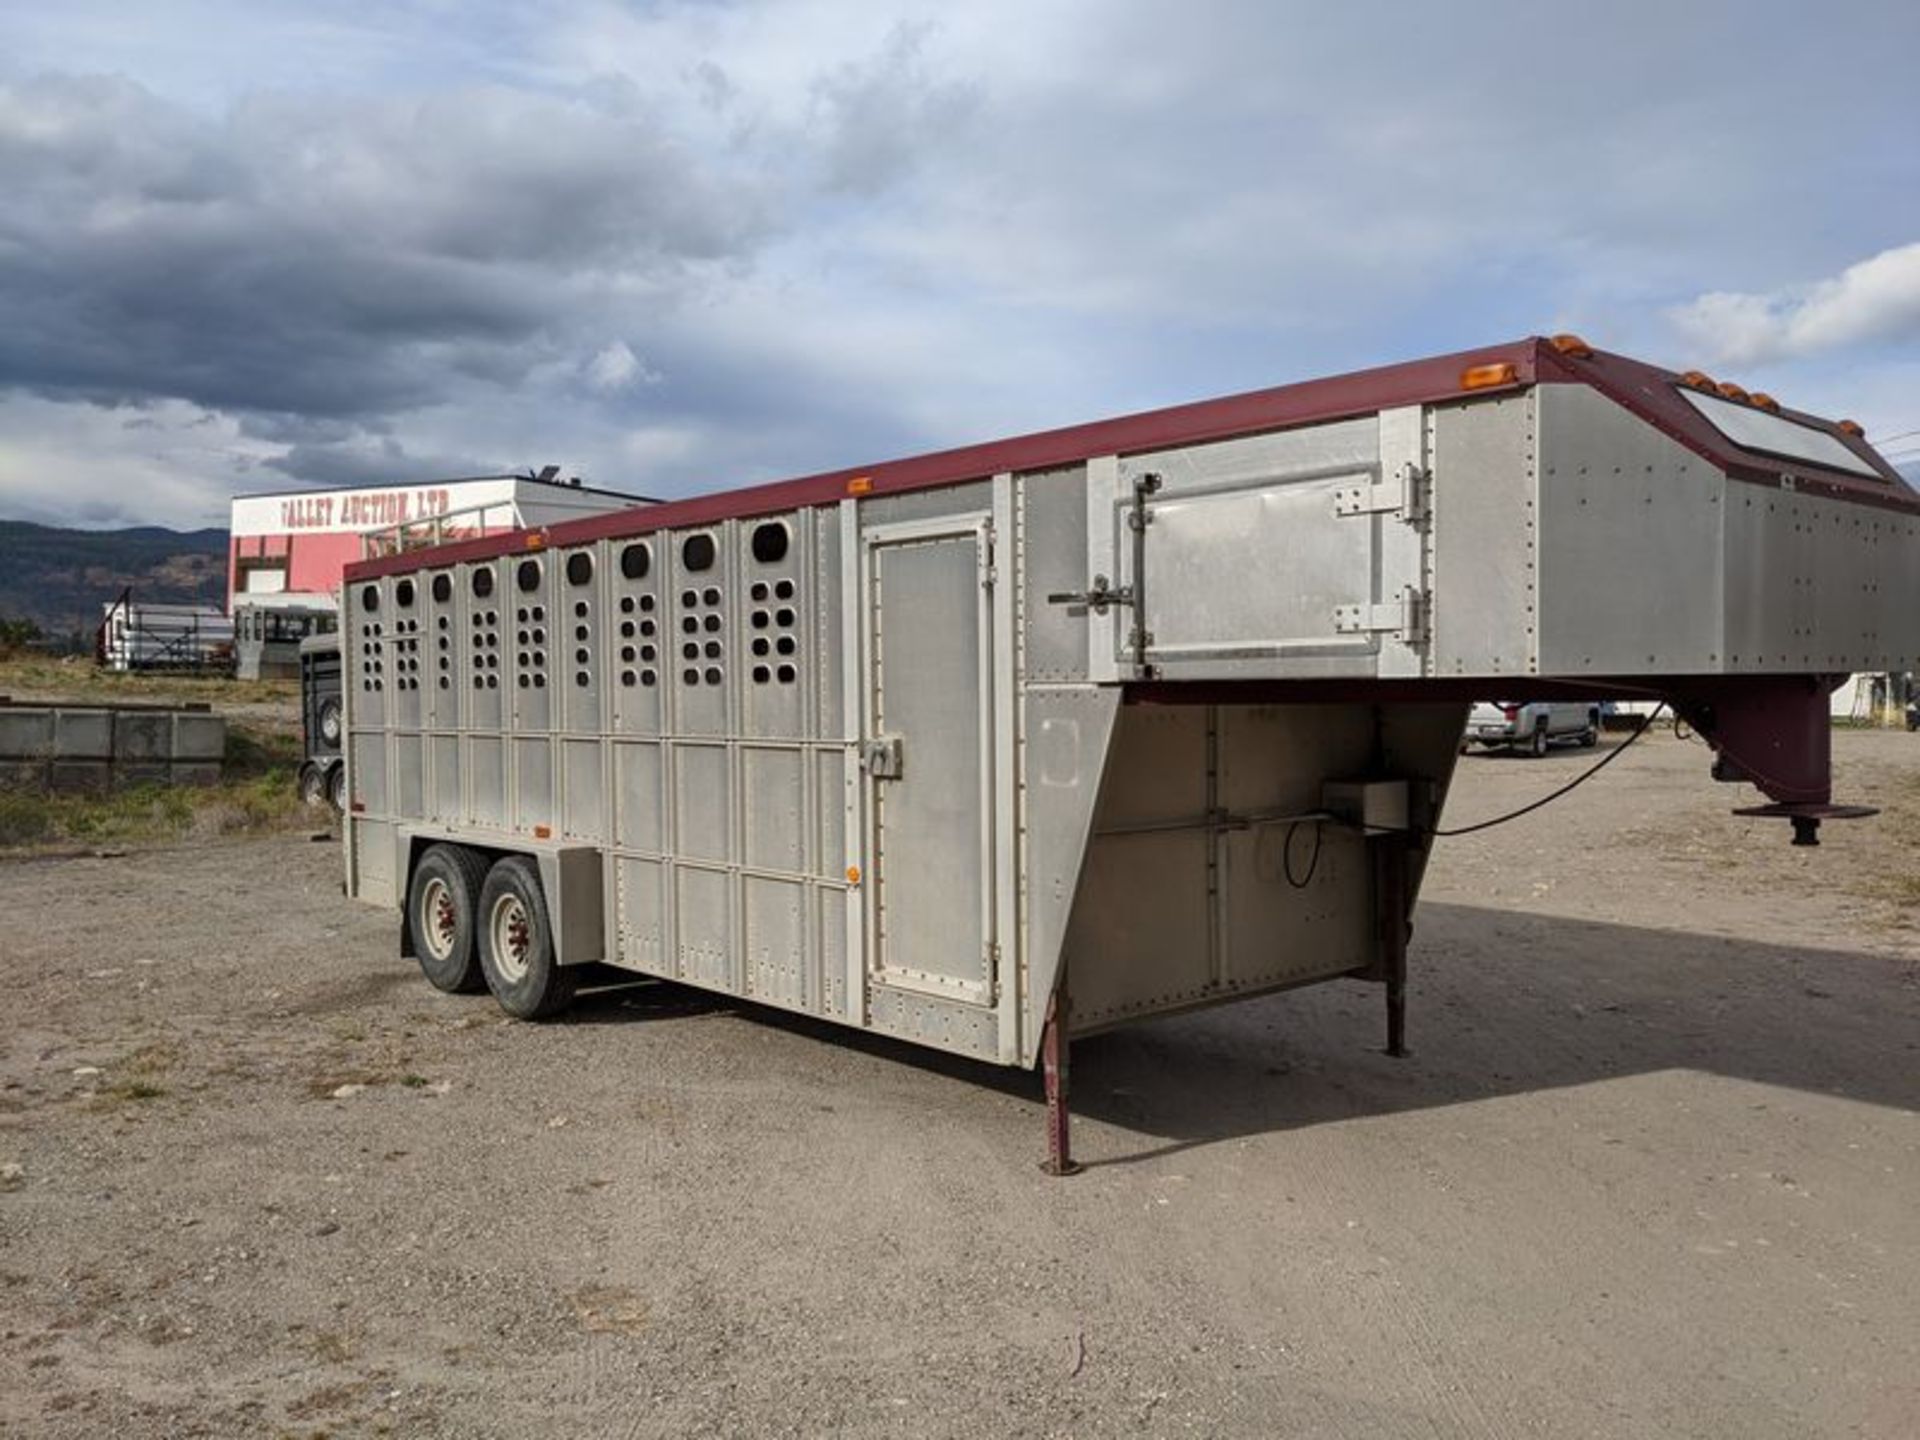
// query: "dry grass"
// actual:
[[78, 679]]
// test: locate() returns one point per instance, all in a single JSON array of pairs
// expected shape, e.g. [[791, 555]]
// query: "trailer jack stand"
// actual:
[[1053, 1061]]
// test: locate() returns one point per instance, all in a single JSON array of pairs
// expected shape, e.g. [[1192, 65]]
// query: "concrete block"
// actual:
[[199, 737], [23, 774], [142, 737], [196, 772], [127, 774], [82, 734], [25, 734], [92, 777]]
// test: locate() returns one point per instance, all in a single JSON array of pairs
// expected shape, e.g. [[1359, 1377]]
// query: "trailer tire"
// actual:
[[443, 903], [516, 943], [330, 721], [337, 788], [312, 786]]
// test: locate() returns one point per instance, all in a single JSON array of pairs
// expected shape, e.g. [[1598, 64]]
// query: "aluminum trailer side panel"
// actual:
[[921, 750]]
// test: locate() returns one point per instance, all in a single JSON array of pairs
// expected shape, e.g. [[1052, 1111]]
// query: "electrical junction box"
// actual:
[[1367, 804]]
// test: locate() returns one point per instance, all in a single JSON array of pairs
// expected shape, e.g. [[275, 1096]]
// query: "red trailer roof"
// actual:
[[1646, 390]]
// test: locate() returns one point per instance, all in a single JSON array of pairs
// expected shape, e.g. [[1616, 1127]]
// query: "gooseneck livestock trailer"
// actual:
[[1001, 746]]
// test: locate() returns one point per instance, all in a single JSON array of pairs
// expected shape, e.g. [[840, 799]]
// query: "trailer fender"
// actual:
[[573, 877]]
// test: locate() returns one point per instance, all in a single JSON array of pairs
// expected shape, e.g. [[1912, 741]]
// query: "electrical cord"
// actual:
[[1286, 856], [1575, 783]]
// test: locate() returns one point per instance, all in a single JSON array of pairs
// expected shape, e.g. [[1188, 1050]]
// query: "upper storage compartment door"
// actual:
[[1292, 555]]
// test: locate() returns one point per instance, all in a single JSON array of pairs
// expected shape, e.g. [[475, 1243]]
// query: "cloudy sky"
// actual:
[[248, 245]]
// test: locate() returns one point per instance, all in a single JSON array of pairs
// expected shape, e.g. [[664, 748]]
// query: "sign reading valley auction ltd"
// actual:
[[323, 512]]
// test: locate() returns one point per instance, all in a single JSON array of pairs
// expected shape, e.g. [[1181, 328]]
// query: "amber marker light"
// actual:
[[853, 874], [536, 540], [1731, 391], [543, 832], [1572, 345], [1853, 428], [1763, 401], [1698, 380], [860, 485], [1482, 377]]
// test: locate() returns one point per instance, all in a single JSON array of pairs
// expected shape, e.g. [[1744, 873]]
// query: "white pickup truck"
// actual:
[[1532, 727]]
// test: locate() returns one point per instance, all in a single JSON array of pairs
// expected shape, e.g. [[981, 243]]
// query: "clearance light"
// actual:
[[1763, 400], [1698, 380], [1572, 345], [536, 540], [358, 807], [1482, 377], [853, 874], [543, 832], [1732, 391], [860, 486], [1853, 428]]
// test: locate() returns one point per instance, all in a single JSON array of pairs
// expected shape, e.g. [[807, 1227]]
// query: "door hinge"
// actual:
[[1407, 495], [883, 758], [1096, 598], [1404, 617]]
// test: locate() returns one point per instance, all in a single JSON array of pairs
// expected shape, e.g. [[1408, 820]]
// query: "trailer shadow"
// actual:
[[1501, 1002]]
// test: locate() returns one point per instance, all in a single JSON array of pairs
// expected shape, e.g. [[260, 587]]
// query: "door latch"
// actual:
[[883, 758], [1102, 594]]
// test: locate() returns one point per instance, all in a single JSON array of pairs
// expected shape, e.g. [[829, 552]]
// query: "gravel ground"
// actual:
[[1650, 1170]]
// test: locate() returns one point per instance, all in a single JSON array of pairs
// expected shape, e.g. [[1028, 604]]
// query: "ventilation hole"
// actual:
[[714, 677], [626, 653], [759, 591], [636, 560], [442, 588], [783, 591], [539, 682], [580, 632], [759, 619], [770, 542], [697, 552], [580, 657], [539, 612], [689, 599], [626, 678], [520, 638], [713, 624], [403, 594], [527, 576], [690, 651], [493, 682], [445, 623], [539, 656], [761, 675], [626, 604], [581, 679], [579, 568], [710, 596], [521, 614], [523, 682], [579, 609], [493, 617], [482, 583], [646, 604], [370, 598], [646, 627], [539, 637], [760, 645], [713, 649], [479, 682], [648, 677], [691, 677], [784, 645], [647, 653], [689, 625], [783, 618], [626, 629], [787, 674]]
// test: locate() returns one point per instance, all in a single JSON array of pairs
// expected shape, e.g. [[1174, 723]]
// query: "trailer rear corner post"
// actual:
[[1396, 929]]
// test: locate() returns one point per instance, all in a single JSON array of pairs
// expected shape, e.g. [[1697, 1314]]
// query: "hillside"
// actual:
[[60, 578]]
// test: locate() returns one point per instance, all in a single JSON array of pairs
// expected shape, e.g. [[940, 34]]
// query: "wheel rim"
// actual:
[[512, 937], [313, 790], [439, 918]]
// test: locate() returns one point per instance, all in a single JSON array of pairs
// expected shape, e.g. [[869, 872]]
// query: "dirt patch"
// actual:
[[1649, 1170]]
